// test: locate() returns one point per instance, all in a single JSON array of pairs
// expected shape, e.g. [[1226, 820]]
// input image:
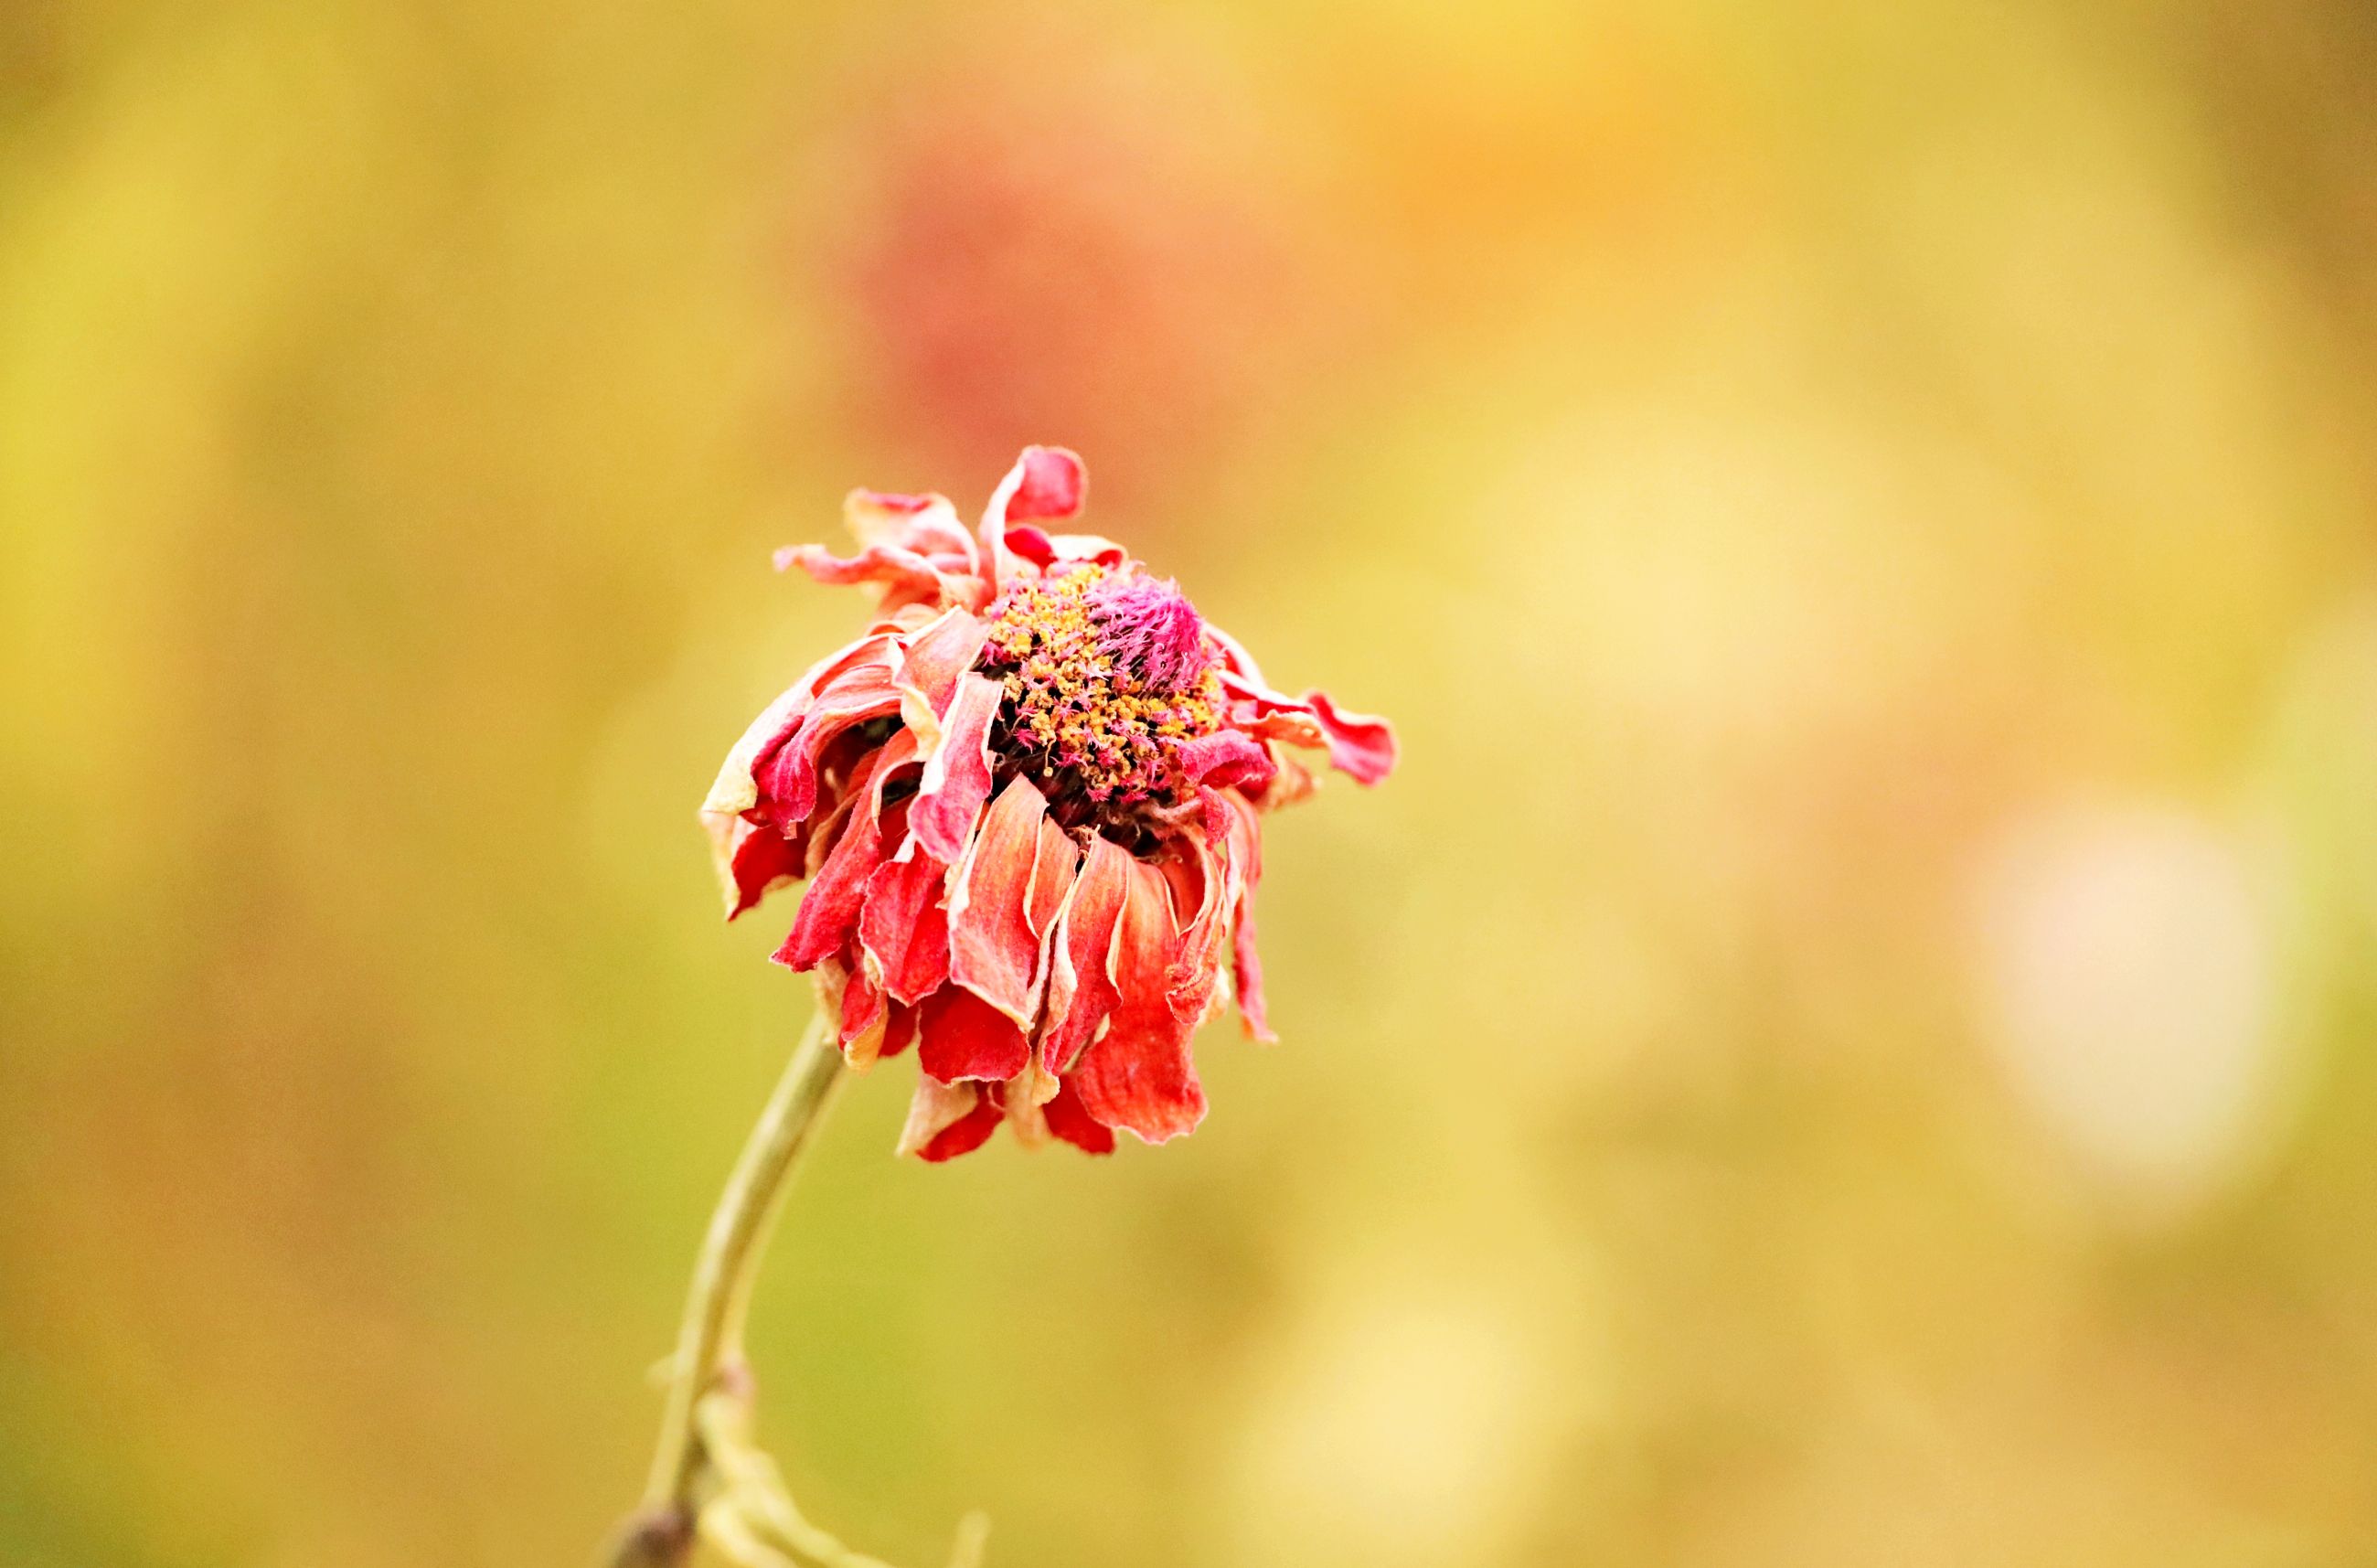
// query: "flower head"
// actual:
[[1027, 802]]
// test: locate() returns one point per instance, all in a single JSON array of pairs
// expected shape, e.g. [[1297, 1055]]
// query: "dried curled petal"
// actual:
[[1028, 803], [1138, 1076]]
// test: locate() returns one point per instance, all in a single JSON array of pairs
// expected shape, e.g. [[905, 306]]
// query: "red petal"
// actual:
[[904, 926], [1052, 881], [1199, 871], [1246, 853], [1047, 482], [899, 1030], [1081, 992], [1068, 1119], [752, 861], [957, 771], [994, 949], [962, 1036], [946, 1120], [734, 790], [830, 908], [864, 1015], [1246, 964], [963, 1136], [1033, 544], [785, 777], [1138, 1075]]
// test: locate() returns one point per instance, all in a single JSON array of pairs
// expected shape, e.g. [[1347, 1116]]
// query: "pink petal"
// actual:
[[926, 525], [933, 657], [1228, 759], [1362, 746], [889, 564], [1047, 482], [889, 503], [1359, 745], [1234, 657]]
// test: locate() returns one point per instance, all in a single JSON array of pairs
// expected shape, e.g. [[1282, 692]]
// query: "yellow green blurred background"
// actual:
[[1846, 1043]]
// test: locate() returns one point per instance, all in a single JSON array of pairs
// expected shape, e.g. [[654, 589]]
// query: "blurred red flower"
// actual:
[[1105, 248], [1028, 803]]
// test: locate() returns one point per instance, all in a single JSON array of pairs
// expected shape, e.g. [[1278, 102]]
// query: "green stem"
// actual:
[[710, 1338]]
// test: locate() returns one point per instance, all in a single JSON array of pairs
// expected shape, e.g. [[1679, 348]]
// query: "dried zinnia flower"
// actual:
[[1028, 803]]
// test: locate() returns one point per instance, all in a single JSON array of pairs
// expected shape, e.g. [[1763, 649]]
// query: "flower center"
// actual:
[[1106, 674]]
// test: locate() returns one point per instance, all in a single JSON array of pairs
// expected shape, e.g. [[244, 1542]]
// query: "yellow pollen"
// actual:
[[1085, 721]]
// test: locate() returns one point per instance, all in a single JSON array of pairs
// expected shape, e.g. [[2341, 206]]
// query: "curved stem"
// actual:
[[711, 1331]]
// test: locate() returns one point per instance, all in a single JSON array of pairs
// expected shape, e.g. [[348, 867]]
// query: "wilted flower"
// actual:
[[1028, 803]]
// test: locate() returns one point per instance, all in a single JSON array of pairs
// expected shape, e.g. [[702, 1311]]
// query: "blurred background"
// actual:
[[1847, 1042]]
